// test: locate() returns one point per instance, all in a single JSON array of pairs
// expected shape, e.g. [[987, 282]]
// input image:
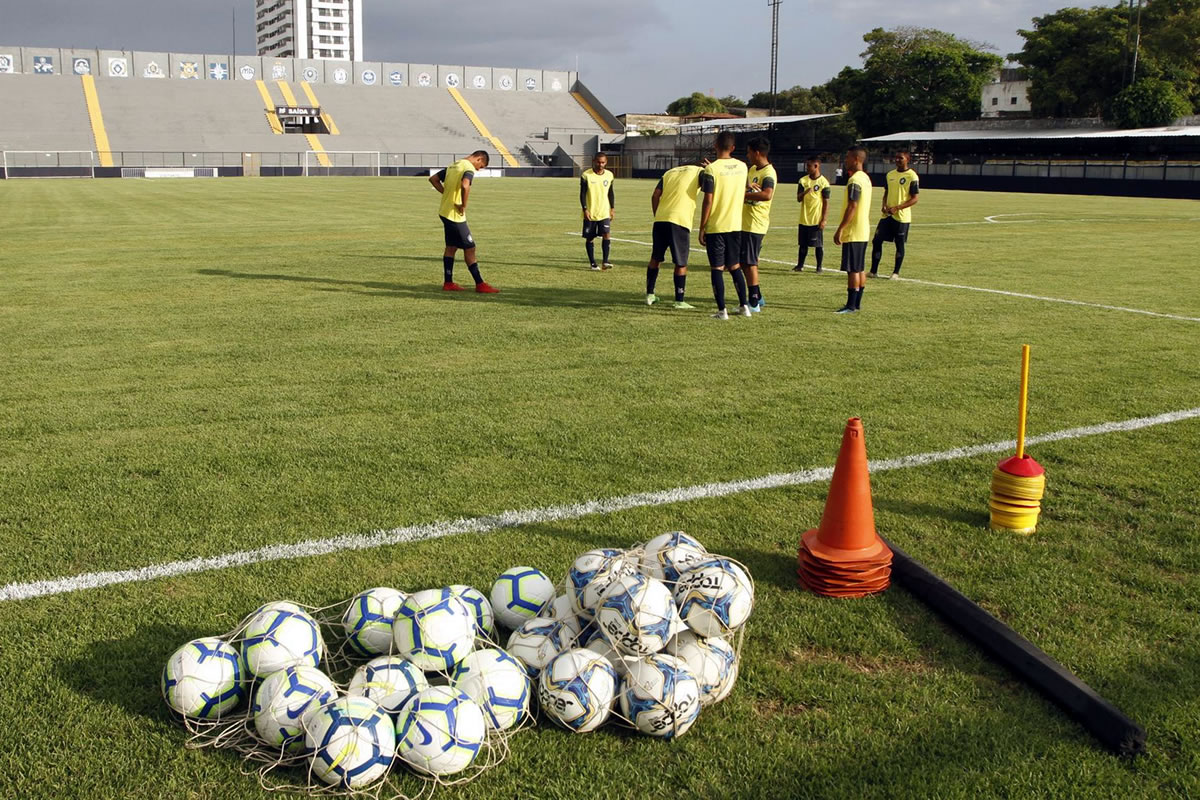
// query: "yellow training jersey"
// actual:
[[599, 194], [858, 229], [725, 179], [756, 216], [900, 187], [812, 192], [452, 178], [678, 202]]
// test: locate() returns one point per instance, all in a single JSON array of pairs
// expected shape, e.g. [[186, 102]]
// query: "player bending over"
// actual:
[[901, 195], [724, 185], [454, 183], [756, 213], [855, 228], [813, 194], [599, 207], [674, 205]]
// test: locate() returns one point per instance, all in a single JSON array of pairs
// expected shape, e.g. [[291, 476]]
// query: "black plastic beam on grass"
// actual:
[[1101, 718]]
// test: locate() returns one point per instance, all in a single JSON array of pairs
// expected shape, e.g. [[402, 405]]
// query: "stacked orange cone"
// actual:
[[845, 557]]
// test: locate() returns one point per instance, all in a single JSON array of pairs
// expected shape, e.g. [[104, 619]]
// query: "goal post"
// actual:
[[323, 163], [48, 163]]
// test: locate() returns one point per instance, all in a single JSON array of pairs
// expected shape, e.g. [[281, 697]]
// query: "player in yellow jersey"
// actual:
[[813, 194], [902, 194], [756, 213], [599, 203], [723, 182], [855, 229], [454, 184], [674, 206]]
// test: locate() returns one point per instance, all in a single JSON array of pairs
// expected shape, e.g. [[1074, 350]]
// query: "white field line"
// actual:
[[548, 514]]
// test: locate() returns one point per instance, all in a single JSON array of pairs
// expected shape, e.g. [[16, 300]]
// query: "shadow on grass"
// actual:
[[906, 508]]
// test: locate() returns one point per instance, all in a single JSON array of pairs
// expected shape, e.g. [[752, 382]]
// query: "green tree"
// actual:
[[912, 78], [696, 103], [731, 101], [1170, 32], [1149, 103], [796, 100]]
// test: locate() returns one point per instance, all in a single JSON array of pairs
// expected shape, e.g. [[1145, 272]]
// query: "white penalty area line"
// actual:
[[541, 516]]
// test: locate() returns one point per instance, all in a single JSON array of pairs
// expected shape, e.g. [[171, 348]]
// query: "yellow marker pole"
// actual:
[[1023, 408]]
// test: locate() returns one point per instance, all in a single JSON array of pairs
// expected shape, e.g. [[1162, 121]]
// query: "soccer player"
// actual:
[[902, 194], [454, 184], [599, 207], [813, 194], [855, 229], [674, 204], [756, 213], [723, 182]]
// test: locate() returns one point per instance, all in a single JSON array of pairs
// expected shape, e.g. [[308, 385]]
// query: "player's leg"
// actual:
[[751, 248], [802, 246], [733, 252], [877, 248], [605, 244], [852, 263], [680, 247], [714, 243], [901, 246], [651, 280], [448, 283], [660, 241], [819, 253], [481, 286]]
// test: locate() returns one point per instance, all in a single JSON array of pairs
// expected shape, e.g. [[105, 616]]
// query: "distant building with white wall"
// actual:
[[331, 29], [1007, 95]]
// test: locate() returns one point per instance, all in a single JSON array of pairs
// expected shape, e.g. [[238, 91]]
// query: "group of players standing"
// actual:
[[735, 217]]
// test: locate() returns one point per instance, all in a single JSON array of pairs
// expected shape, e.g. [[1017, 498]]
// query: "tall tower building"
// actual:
[[309, 29]]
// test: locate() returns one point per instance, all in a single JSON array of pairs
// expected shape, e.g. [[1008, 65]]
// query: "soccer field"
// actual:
[[198, 368]]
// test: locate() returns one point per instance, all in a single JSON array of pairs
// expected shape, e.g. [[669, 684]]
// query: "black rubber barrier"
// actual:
[[1101, 718]]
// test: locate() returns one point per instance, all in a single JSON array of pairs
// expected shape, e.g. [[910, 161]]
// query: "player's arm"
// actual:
[[436, 179], [853, 197], [914, 195], [466, 192], [824, 208], [612, 202], [709, 186], [656, 197], [764, 192], [583, 187]]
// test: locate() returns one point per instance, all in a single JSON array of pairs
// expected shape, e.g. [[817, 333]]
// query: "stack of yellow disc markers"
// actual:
[[1018, 484]]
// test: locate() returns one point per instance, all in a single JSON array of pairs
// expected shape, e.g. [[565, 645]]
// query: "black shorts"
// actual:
[[854, 256], [751, 247], [457, 234], [724, 249], [669, 236], [592, 229], [890, 230], [812, 236]]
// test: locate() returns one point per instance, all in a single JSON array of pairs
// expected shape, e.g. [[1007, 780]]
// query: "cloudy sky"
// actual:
[[637, 55]]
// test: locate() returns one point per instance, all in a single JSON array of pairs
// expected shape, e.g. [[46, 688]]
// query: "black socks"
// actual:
[[680, 285], [448, 269], [651, 279], [474, 270], [591, 251], [605, 246], [718, 284], [739, 283]]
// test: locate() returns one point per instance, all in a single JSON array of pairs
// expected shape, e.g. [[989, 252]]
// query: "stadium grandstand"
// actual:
[[121, 113]]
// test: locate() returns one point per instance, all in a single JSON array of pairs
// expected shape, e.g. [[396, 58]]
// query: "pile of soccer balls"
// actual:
[[646, 636]]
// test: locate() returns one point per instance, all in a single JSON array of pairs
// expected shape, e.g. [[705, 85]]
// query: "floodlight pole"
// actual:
[[774, 6], [1137, 43]]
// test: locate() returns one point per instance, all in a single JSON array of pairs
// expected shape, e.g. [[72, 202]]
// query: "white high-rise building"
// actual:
[[309, 29]]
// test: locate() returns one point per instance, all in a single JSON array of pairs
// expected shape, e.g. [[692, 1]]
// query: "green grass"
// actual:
[[191, 368]]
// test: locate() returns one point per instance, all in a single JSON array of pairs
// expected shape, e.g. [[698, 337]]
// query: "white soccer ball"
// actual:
[[577, 690], [278, 638], [368, 620], [715, 597], [440, 731], [391, 681], [538, 641], [518, 594], [660, 696], [590, 576], [498, 683], [713, 662], [204, 679], [560, 608], [352, 742], [434, 629], [637, 615], [619, 661], [485, 618], [668, 555], [282, 700]]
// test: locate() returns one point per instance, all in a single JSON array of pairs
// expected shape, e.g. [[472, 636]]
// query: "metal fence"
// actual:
[[1098, 169], [147, 158]]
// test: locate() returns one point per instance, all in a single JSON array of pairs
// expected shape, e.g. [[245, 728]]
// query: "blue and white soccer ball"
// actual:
[[666, 556], [660, 696], [434, 629], [560, 608], [440, 731], [713, 662], [282, 700], [368, 620], [498, 683], [618, 660], [391, 681], [577, 690], [538, 641], [278, 638], [204, 679], [485, 618], [715, 597], [590, 576], [351, 740], [637, 615], [518, 594]]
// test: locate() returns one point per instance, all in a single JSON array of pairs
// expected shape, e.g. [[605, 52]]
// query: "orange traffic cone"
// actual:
[[845, 557]]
